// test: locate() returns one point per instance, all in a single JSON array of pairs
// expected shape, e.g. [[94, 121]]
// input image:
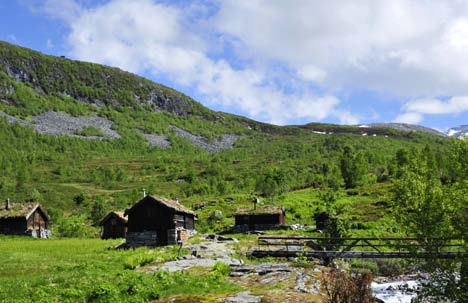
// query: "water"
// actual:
[[395, 292]]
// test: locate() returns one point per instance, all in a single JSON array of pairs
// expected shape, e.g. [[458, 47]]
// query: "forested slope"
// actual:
[[82, 175]]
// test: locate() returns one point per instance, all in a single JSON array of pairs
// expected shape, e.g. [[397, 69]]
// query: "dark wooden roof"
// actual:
[[21, 210], [260, 210], [117, 214], [172, 204]]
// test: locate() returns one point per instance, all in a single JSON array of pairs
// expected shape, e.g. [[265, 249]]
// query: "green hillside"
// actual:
[[202, 155]]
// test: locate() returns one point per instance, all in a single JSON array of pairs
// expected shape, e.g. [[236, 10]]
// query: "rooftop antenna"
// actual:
[[144, 192]]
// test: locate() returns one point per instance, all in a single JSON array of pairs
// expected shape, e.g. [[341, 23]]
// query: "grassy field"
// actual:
[[90, 270]]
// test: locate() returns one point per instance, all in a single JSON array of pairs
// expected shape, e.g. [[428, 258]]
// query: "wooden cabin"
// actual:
[[114, 225], [260, 218], [157, 221], [28, 219]]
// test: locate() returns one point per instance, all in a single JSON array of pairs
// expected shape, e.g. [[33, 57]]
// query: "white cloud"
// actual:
[[410, 118], [67, 10], [403, 49], [144, 36], [346, 117], [400, 47], [416, 109], [312, 73], [49, 44]]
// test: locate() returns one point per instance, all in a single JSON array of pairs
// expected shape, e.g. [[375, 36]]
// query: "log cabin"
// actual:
[[158, 221], [114, 225], [260, 218], [28, 219]]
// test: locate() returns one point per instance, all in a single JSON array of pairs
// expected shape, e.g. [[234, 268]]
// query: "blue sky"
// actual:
[[282, 62]]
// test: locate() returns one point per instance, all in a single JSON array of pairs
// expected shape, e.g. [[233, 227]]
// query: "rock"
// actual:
[[227, 141], [219, 238], [217, 215], [243, 297], [255, 232], [156, 140], [261, 269], [301, 286], [62, 124], [274, 278]]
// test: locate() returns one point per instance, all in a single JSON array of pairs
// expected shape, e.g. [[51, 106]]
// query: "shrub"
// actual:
[[89, 131], [390, 267], [133, 262], [221, 269], [342, 287]]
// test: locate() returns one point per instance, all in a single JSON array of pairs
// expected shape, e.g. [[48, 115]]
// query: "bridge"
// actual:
[[330, 248]]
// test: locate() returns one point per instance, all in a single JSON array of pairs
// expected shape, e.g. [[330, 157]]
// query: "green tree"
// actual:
[[421, 207], [98, 211], [273, 183], [427, 209], [353, 167]]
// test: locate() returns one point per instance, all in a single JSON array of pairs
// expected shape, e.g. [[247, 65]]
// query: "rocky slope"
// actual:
[[87, 82], [406, 128]]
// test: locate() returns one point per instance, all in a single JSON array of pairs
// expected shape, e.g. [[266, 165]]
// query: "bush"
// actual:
[[133, 262], [74, 227], [365, 266], [390, 268], [342, 287], [221, 269]]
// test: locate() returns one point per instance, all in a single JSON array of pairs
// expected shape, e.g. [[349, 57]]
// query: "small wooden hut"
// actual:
[[28, 219], [157, 221], [114, 225], [260, 218]]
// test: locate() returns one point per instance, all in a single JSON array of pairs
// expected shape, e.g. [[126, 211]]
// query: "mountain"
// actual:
[[458, 132], [83, 138], [405, 127], [87, 82]]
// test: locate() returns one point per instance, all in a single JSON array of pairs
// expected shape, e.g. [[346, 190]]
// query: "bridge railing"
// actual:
[[378, 245]]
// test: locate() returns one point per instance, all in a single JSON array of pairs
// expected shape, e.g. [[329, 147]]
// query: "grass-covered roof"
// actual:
[[260, 210], [18, 210]]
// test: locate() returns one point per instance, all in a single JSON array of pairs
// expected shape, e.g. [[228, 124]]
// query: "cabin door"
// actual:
[[162, 237]]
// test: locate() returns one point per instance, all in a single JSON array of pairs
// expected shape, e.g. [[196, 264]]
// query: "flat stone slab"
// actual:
[[244, 297], [186, 264]]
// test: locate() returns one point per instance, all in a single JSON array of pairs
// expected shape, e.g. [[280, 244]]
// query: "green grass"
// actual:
[[90, 270]]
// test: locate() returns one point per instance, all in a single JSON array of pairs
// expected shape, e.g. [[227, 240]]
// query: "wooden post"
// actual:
[[464, 277]]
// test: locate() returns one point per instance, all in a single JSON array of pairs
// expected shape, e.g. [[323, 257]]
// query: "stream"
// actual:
[[395, 292]]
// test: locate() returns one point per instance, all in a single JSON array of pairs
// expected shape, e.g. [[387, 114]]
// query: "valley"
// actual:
[[84, 139]]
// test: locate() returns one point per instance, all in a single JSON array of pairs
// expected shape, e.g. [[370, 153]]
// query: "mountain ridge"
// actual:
[[459, 132], [101, 85]]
